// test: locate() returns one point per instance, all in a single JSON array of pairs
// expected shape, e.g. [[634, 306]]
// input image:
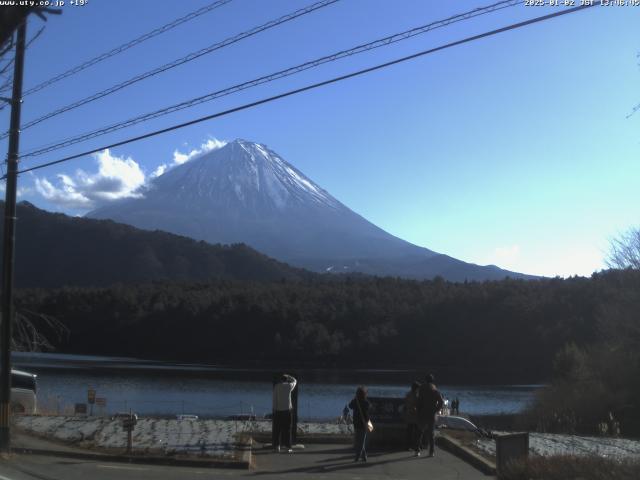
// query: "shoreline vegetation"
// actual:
[[41, 361], [494, 332], [581, 334]]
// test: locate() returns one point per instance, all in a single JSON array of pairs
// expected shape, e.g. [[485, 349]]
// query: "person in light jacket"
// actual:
[[282, 408], [360, 406]]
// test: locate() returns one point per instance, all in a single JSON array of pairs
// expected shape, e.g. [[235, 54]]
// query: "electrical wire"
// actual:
[[315, 85], [180, 61], [9, 83], [274, 76], [127, 46]]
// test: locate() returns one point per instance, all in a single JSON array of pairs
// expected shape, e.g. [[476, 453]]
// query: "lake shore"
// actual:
[[223, 438], [353, 374]]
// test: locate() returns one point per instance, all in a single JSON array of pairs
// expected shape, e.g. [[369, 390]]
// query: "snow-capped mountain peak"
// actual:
[[253, 175], [246, 192]]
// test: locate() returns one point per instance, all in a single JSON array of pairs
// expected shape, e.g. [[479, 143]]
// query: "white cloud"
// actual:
[[159, 171], [504, 257], [568, 260], [562, 260], [62, 196], [179, 157], [213, 144], [117, 177], [22, 191]]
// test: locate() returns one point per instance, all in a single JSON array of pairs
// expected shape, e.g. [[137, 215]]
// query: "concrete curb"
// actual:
[[319, 438], [453, 446], [243, 463], [246, 461]]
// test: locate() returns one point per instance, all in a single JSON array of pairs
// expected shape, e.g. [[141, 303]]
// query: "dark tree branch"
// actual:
[[28, 331], [625, 250]]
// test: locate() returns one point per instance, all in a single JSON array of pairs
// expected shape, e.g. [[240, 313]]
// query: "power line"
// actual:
[[126, 46], [273, 76], [9, 83], [314, 86], [180, 61]]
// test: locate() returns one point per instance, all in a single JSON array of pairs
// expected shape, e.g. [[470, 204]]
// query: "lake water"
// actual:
[[156, 388]]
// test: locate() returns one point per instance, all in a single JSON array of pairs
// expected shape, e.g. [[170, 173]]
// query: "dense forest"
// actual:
[[499, 331], [183, 300], [595, 386]]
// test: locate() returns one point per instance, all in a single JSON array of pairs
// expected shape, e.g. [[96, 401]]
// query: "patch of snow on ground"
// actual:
[[219, 437], [548, 444]]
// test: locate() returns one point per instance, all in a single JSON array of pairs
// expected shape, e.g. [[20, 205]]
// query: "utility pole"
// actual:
[[9, 242]]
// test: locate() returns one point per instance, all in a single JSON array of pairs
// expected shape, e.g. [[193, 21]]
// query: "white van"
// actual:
[[23, 392], [186, 417]]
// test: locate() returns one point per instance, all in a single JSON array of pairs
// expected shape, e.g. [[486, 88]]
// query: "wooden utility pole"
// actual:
[[9, 242]]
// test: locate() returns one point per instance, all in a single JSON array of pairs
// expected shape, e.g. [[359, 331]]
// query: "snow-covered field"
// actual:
[[222, 437], [547, 444], [213, 437]]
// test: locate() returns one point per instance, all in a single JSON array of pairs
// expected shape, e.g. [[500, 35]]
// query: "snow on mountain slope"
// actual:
[[243, 173], [246, 193]]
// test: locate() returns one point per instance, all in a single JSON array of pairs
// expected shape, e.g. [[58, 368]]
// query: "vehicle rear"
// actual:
[[23, 392]]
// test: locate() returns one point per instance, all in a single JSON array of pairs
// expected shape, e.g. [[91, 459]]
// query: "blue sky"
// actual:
[[513, 150]]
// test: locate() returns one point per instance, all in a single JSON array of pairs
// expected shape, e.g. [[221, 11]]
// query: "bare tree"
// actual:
[[625, 250], [34, 332]]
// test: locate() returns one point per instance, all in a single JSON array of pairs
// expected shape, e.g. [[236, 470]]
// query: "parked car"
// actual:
[[186, 417], [23, 392], [124, 416]]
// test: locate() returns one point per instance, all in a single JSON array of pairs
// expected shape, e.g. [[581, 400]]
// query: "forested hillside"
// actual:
[[55, 250], [493, 331]]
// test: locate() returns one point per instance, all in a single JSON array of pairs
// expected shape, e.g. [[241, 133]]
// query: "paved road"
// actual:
[[332, 462]]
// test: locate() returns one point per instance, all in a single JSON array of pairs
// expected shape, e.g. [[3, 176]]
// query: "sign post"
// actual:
[[91, 399], [294, 412], [128, 423], [102, 403]]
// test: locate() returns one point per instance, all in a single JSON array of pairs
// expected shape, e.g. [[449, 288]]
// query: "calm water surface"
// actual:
[[151, 388]]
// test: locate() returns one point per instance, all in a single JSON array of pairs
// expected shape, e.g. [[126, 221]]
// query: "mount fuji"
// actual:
[[246, 193]]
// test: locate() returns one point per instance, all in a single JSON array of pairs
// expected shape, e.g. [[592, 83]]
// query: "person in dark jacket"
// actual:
[[360, 406], [429, 403], [411, 415]]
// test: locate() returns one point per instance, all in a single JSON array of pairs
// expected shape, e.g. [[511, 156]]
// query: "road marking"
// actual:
[[118, 467], [2, 477]]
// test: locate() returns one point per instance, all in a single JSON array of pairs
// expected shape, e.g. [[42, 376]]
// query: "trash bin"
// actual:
[[389, 428], [509, 447]]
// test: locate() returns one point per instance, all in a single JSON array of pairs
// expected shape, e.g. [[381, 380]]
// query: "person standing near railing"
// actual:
[[282, 407], [430, 402], [361, 422], [411, 415]]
